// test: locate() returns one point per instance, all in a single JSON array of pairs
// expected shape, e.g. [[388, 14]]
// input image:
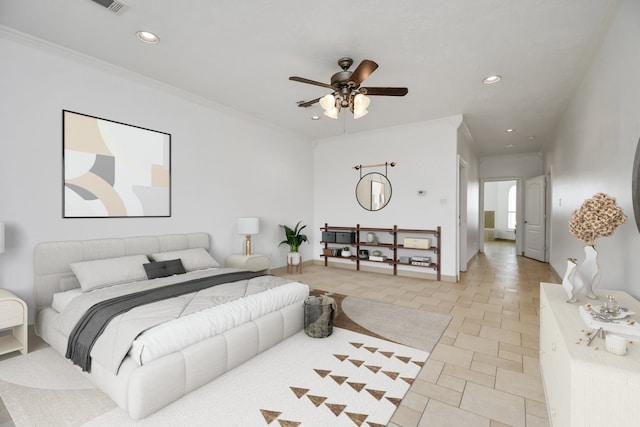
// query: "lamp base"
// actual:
[[248, 245]]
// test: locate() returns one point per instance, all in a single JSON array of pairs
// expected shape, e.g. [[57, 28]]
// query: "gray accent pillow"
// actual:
[[164, 268]]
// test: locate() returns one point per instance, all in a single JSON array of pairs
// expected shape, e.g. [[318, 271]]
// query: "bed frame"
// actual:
[[142, 390]]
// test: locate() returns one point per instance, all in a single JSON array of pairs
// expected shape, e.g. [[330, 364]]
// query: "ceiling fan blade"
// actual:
[[384, 91], [308, 103], [311, 82], [363, 71]]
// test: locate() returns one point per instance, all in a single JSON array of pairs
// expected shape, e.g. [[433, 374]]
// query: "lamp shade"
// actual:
[[248, 226], [1, 237]]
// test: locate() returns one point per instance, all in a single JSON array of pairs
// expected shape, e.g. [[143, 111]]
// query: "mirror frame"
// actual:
[[370, 184]]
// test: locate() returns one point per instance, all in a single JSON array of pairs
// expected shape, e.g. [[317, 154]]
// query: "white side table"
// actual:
[[253, 262], [13, 314]]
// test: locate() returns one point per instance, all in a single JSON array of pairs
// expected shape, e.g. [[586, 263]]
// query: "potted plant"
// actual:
[[346, 252], [293, 238]]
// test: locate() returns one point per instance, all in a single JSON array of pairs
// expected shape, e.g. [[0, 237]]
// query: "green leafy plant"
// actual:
[[293, 237]]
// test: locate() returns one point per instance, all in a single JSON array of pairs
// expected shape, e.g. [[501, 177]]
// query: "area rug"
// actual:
[[348, 379]]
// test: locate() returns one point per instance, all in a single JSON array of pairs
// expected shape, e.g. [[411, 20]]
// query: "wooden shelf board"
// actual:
[[9, 343]]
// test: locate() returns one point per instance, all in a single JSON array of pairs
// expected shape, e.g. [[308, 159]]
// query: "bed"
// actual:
[[256, 312]]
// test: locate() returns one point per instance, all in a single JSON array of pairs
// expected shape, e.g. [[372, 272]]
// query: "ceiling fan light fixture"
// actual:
[[331, 112], [360, 104], [328, 102]]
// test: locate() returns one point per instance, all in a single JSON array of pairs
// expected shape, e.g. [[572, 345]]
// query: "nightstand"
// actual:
[[13, 314], [254, 262]]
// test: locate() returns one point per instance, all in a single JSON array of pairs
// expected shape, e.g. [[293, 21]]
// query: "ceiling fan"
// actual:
[[346, 90]]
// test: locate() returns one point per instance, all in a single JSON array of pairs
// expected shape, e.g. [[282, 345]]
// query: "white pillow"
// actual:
[[111, 271], [192, 259], [62, 299]]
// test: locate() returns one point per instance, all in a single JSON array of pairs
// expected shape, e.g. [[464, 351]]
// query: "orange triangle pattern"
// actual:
[[375, 424], [404, 359], [392, 375], [358, 419], [373, 368], [388, 354], [341, 357], [322, 372], [357, 386], [378, 394], [407, 380], [358, 363], [394, 400], [339, 379], [269, 416], [299, 392], [316, 400], [285, 423], [335, 408], [372, 349], [417, 362], [356, 344]]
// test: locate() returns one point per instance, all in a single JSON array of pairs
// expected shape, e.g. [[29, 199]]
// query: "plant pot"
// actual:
[[293, 258], [346, 254]]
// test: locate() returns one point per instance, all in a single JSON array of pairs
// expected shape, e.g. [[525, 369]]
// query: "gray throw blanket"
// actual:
[[96, 319]]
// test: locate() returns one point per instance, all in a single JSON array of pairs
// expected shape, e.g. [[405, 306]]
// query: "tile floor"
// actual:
[[484, 371]]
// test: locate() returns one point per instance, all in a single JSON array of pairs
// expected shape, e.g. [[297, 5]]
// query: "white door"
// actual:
[[534, 220]]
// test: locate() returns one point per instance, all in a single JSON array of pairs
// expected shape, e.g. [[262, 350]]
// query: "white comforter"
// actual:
[[226, 305]]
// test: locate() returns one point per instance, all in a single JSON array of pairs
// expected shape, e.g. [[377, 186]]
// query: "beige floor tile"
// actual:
[[509, 355], [439, 414], [520, 350], [406, 417], [453, 383], [520, 384], [494, 404], [415, 401], [533, 421], [477, 344], [431, 370], [495, 423], [434, 391], [452, 355], [483, 368], [469, 375], [531, 366], [497, 362], [534, 407], [500, 335]]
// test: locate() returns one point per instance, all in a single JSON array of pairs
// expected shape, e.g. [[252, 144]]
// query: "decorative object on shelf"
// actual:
[[377, 253], [248, 226], [346, 252], [294, 238], [599, 216], [373, 191], [371, 237], [363, 254]]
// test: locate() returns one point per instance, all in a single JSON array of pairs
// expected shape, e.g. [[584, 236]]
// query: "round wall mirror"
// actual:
[[373, 191]]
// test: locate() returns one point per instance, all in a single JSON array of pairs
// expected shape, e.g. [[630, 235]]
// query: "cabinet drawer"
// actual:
[[11, 314]]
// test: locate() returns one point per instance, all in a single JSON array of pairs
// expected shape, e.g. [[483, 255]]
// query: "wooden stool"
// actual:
[[291, 267]]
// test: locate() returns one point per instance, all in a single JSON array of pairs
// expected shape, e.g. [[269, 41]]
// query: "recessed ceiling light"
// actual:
[[492, 79], [510, 130], [315, 117], [509, 146], [148, 37]]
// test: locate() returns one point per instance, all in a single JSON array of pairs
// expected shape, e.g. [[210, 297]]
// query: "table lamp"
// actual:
[[248, 226]]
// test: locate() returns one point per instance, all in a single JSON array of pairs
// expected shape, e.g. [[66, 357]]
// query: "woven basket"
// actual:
[[319, 313]]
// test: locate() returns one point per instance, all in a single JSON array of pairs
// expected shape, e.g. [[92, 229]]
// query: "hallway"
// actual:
[[485, 369]]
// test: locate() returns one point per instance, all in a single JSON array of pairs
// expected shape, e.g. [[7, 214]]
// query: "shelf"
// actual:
[[9, 343], [394, 246]]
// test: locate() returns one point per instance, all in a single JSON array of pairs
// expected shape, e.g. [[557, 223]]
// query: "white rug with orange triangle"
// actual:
[[346, 379]]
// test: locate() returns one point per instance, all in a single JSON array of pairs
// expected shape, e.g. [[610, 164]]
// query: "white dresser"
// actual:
[[585, 385]]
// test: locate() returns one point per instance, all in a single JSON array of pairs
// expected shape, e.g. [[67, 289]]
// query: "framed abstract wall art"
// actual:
[[114, 170]]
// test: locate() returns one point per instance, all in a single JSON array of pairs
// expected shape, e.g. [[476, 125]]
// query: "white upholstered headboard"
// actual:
[[51, 260]]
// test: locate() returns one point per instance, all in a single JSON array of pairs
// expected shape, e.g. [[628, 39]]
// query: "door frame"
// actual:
[[461, 217], [519, 209]]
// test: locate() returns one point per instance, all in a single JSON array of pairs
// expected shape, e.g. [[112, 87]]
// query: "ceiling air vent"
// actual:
[[114, 6]]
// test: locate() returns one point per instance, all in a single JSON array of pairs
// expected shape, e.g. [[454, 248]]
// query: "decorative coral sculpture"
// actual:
[[598, 216]]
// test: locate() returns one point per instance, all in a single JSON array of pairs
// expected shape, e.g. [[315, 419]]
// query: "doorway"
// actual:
[[500, 214]]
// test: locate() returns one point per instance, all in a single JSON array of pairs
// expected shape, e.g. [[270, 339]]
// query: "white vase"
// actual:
[[293, 258], [590, 270], [571, 282], [371, 237]]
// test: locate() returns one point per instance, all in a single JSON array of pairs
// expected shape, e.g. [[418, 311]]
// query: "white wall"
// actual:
[[468, 155], [426, 159], [223, 165], [594, 149]]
